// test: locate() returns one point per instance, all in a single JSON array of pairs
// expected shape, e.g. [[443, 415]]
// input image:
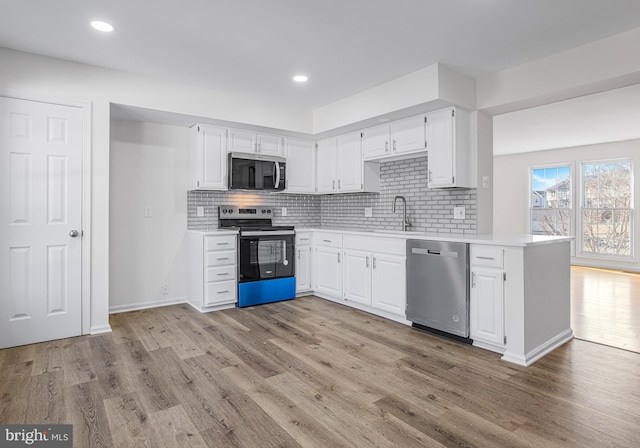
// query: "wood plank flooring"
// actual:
[[312, 373], [605, 307]]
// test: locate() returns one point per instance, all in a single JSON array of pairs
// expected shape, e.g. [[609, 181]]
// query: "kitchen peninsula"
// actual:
[[519, 284]]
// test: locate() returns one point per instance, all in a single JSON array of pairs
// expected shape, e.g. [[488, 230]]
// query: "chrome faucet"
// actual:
[[405, 221]]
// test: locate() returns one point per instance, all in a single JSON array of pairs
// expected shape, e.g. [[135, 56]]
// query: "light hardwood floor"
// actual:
[[312, 373], [605, 307]]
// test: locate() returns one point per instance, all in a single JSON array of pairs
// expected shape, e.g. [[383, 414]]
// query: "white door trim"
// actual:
[[86, 189]]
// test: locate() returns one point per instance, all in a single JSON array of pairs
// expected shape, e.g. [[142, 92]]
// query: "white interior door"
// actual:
[[40, 211]]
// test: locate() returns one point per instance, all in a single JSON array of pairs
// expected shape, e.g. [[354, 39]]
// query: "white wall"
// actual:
[[511, 188], [148, 168], [57, 79]]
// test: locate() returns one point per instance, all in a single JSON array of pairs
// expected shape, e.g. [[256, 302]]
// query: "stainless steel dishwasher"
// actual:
[[438, 286]]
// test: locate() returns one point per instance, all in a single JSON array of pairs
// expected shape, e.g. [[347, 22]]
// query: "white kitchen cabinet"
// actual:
[[327, 264], [303, 262], [375, 278], [340, 168], [301, 165], [448, 148], [357, 277], [247, 141], [207, 158], [212, 271], [399, 137], [486, 308], [388, 283]]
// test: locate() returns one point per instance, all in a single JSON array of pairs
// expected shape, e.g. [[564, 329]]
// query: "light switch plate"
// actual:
[[458, 213], [148, 211], [200, 211], [485, 181], [368, 212]]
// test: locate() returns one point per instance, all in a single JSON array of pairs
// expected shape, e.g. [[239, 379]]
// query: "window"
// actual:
[[551, 201], [607, 207]]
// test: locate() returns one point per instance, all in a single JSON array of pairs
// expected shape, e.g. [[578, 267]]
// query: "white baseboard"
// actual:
[[540, 351], [145, 305], [100, 329]]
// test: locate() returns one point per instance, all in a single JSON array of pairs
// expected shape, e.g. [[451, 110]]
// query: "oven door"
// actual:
[[266, 255]]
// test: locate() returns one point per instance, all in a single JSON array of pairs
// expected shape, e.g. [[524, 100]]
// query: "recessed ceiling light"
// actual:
[[300, 78], [102, 26]]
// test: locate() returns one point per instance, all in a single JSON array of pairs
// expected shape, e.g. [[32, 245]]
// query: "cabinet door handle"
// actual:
[[429, 175], [222, 292], [223, 273], [334, 185], [327, 241], [374, 262], [225, 258], [485, 258], [222, 244], [338, 257], [473, 280], [367, 261], [338, 184], [386, 146], [394, 145]]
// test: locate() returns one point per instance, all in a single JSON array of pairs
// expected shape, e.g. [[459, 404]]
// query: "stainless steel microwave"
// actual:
[[256, 172]]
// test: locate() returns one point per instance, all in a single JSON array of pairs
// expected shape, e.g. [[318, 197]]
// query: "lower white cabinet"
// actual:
[[327, 263], [388, 283], [375, 279], [303, 262], [357, 277], [212, 271], [486, 309]]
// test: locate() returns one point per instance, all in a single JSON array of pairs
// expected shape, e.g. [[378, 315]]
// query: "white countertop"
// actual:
[[518, 240]]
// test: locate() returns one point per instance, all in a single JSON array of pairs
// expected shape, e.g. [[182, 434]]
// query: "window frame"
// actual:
[[581, 209], [572, 210]]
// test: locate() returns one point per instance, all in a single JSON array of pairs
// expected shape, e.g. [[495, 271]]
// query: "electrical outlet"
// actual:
[[284, 211], [368, 212], [458, 213], [200, 211], [164, 289], [148, 211]]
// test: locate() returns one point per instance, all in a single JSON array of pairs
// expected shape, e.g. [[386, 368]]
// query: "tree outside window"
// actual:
[[607, 207]]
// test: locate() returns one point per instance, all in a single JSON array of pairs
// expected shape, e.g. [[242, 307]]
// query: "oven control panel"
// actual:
[[255, 212]]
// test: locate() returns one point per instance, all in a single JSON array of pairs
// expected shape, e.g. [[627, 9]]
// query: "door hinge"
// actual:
[[425, 119], [361, 134], [504, 276], [453, 113], [198, 128], [425, 143], [505, 340], [453, 179]]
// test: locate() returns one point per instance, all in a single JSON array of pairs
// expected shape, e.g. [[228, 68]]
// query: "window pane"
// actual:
[[607, 201], [551, 222]]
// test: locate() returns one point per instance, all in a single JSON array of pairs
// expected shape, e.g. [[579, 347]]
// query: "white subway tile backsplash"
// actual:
[[428, 210]]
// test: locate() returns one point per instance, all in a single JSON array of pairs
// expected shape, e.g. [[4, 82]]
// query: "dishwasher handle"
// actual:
[[440, 253]]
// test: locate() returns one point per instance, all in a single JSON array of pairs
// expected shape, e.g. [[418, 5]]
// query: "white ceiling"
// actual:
[[345, 46]]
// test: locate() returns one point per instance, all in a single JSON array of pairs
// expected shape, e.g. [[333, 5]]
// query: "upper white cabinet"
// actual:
[[340, 168], [396, 138], [447, 136], [252, 142], [301, 165], [207, 158]]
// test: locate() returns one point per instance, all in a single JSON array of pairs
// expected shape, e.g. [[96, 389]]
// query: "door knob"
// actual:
[[74, 233]]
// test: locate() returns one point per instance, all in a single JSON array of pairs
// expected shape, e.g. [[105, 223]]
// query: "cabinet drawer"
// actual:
[[220, 273], [220, 258], [217, 292], [226, 242], [377, 244], [328, 239], [303, 239], [487, 256]]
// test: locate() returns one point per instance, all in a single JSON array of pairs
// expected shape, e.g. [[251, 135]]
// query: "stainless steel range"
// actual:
[[266, 265]]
